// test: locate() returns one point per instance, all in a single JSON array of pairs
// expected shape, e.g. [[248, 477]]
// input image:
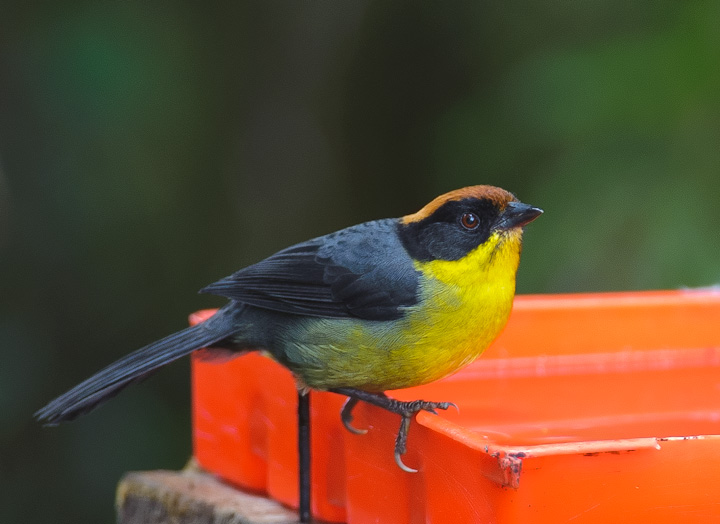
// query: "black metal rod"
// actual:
[[304, 456]]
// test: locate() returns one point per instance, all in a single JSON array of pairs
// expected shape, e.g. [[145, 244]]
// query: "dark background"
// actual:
[[148, 149]]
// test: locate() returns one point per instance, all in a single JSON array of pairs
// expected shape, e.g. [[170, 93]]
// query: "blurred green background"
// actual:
[[148, 149]]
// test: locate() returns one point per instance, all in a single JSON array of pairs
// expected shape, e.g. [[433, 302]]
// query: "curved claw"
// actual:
[[346, 416], [441, 405], [401, 444], [401, 464]]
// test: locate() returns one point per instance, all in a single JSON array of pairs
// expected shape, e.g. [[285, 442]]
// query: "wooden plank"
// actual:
[[192, 496]]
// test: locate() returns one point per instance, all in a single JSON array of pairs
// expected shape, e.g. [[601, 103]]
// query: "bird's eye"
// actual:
[[469, 221]]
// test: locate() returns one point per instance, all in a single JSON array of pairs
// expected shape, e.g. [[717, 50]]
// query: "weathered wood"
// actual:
[[192, 497]]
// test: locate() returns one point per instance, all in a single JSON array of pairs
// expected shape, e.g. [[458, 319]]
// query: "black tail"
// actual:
[[134, 367]]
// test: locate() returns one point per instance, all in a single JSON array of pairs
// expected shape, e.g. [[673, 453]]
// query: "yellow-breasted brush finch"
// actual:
[[378, 306]]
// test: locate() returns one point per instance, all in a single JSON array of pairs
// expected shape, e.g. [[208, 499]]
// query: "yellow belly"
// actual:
[[464, 305]]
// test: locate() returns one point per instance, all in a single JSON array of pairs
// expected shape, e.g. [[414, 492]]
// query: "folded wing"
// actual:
[[362, 271]]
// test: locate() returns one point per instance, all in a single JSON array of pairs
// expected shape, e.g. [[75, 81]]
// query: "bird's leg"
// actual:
[[405, 409]]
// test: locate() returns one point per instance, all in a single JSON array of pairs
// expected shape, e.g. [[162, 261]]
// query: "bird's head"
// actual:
[[456, 223]]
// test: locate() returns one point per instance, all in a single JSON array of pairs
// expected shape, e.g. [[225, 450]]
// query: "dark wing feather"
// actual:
[[362, 271]]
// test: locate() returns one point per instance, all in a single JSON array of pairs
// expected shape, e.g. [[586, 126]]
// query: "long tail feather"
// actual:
[[134, 367]]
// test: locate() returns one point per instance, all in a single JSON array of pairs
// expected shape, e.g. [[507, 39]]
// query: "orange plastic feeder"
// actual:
[[588, 408]]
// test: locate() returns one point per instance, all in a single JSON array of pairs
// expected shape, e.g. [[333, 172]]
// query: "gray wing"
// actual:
[[362, 271]]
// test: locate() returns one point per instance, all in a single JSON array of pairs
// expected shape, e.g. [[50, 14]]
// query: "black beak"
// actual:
[[517, 214]]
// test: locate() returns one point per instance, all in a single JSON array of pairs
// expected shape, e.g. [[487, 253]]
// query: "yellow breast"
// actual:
[[466, 304]]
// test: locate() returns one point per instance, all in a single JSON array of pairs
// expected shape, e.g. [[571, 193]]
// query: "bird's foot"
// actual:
[[406, 410]]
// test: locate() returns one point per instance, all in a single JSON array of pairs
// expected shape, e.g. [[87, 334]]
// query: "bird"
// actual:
[[382, 305]]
